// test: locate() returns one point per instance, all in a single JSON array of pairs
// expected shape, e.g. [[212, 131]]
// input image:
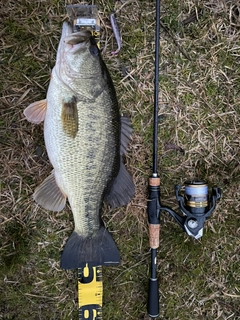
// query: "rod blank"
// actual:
[[156, 88]]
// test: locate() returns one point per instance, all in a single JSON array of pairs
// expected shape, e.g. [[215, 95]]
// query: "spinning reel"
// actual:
[[195, 204]]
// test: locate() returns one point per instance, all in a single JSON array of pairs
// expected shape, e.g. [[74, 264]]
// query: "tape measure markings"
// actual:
[[90, 292]]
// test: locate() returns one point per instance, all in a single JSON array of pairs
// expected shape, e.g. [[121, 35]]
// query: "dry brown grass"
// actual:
[[199, 104]]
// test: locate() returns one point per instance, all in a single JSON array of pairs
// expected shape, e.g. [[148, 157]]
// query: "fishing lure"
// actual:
[[116, 33]]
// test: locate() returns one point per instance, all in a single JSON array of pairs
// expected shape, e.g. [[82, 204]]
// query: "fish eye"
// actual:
[[94, 50]]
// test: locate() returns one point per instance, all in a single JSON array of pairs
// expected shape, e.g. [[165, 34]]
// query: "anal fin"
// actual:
[[49, 196]]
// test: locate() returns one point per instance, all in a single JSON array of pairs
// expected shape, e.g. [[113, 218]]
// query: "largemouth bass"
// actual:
[[85, 139]]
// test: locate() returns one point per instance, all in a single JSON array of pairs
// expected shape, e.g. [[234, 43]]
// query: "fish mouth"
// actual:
[[75, 41]]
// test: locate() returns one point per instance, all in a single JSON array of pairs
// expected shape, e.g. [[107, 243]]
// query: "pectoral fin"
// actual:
[[70, 117], [49, 196], [36, 111]]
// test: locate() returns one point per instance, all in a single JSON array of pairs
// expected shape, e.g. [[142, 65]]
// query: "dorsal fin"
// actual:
[[126, 132], [121, 189]]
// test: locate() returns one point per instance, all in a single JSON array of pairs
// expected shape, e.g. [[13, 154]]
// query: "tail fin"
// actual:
[[97, 250]]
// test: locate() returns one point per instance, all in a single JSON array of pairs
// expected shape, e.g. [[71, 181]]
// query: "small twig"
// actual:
[[170, 34]]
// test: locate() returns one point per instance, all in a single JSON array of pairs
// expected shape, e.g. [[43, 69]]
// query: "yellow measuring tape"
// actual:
[[90, 293]]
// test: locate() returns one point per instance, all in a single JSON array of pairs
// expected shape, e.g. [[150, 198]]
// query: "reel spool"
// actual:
[[196, 196]]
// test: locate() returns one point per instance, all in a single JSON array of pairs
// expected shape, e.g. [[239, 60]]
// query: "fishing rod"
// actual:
[[153, 205], [195, 203]]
